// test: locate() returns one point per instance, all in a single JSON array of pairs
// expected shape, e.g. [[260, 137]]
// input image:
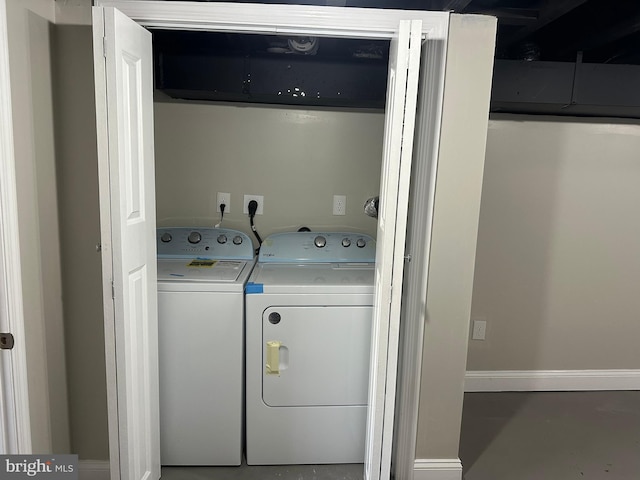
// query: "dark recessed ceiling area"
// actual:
[[558, 57], [238, 44], [553, 30], [292, 70]]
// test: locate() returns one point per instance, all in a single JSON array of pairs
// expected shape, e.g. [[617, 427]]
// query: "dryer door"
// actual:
[[316, 355]]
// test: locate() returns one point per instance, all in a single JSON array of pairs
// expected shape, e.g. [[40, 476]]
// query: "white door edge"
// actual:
[[402, 92], [15, 421], [106, 255], [124, 96], [399, 247], [426, 146]]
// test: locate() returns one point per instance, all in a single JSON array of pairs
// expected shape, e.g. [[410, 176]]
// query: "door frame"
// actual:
[[15, 424], [280, 19], [355, 23], [310, 20]]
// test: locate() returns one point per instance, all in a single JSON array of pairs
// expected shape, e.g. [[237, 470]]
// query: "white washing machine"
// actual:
[[309, 311], [201, 277]]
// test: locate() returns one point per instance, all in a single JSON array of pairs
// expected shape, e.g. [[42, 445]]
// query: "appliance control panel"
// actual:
[[318, 247], [209, 243]]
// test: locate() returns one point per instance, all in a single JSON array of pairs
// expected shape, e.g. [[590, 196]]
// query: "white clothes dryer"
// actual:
[[201, 277], [309, 310]]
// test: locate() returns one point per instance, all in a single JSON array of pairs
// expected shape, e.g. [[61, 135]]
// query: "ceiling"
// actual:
[[600, 31]]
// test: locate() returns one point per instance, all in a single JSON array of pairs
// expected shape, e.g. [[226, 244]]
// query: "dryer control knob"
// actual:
[[237, 240], [346, 242], [320, 241], [222, 239], [361, 242], [194, 237], [166, 237]]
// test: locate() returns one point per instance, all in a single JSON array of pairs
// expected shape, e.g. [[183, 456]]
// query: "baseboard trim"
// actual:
[[551, 380], [437, 469], [93, 470]]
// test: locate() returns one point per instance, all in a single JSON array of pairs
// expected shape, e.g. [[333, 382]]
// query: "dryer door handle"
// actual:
[[273, 358], [277, 358]]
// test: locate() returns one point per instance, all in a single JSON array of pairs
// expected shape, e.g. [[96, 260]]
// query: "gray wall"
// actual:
[[29, 25], [558, 260], [77, 167], [297, 158]]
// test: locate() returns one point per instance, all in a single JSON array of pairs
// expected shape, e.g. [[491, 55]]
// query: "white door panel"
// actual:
[[123, 70], [402, 89]]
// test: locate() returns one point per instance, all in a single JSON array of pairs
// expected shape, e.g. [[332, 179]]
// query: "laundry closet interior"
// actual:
[[295, 120]]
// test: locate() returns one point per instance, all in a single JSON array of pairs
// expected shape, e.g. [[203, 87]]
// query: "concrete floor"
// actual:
[[280, 472], [551, 436], [508, 436]]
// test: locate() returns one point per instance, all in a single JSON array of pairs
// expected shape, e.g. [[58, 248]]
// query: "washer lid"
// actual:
[[200, 270]]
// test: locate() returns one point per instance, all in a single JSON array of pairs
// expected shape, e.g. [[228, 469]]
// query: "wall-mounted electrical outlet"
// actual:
[[479, 330], [339, 204], [223, 198], [257, 198]]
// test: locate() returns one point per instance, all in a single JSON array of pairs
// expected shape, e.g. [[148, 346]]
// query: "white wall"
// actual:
[[298, 159], [29, 23], [558, 258]]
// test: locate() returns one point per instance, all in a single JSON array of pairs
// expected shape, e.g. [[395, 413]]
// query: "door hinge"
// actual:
[[6, 341], [104, 47], [113, 290]]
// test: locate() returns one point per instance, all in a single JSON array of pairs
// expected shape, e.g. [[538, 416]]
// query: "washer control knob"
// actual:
[[237, 240], [346, 242], [166, 237], [194, 237], [222, 239], [361, 242], [320, 241]]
